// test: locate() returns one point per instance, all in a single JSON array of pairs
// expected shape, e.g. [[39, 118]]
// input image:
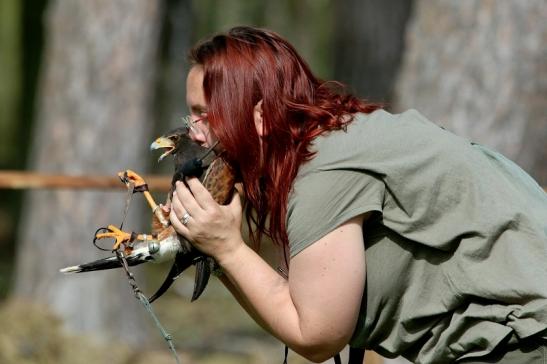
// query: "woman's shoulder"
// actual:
[[382, 121], [381, 126], [379, 135]]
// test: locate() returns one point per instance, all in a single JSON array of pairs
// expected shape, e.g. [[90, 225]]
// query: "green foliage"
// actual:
[[307, 24], [21, 41], [10, 11], [10, 93]]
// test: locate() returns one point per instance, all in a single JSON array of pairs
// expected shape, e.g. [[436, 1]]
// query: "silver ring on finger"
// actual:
[[185, 218]]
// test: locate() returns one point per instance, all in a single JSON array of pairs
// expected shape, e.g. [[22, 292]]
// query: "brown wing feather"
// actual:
[[219, 181]]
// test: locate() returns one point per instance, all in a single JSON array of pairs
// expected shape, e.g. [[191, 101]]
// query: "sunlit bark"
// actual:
[[93, 117], [478, 67]]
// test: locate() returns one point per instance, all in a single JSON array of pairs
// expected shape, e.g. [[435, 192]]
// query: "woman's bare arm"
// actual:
[[315, 311]]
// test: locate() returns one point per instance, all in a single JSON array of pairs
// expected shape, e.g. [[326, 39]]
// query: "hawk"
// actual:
[[164, 243]]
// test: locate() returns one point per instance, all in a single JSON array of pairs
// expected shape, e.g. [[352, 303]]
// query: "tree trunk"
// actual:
[[368, 49], [478, 67], [177, 25], [93, 117], [369, 45]]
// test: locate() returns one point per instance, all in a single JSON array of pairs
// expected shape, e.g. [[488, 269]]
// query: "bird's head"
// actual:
[[178, 143], [171, 142]]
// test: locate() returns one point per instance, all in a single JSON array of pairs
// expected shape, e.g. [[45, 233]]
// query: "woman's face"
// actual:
[[195, 100]]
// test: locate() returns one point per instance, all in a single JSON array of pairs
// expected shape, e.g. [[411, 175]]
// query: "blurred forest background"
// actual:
[[85, 86]]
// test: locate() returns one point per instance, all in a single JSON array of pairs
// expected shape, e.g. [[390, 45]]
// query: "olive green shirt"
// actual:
[[456, 253]]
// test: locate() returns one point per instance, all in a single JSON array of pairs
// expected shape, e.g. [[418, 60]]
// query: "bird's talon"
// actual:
[[120, 236], [128, 176]]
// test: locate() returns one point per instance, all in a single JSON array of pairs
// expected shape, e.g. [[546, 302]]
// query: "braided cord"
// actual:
[[142, 298]]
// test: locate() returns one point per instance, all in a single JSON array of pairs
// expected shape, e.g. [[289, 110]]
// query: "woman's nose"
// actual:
[[197, 135]]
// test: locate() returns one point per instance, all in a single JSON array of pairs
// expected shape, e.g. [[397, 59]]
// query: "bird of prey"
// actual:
[[164, 243]]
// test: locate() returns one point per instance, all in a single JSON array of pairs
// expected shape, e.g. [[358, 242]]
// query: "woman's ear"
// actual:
[[257, 115]]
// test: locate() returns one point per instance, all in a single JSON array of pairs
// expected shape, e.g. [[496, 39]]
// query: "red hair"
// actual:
[[242, 67]]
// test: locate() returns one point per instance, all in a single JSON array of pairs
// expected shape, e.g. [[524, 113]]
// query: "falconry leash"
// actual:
[[131, 278]]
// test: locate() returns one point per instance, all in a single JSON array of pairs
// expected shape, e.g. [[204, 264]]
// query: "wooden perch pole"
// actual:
[[34, 180], [19, 180]]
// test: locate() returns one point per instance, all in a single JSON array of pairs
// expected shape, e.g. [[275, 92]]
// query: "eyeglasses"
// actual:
[[189, 123]]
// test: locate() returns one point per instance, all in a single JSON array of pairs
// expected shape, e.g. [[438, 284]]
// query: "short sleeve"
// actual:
[[322, 200]]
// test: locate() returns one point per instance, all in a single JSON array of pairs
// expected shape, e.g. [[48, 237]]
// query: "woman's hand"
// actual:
[[212, 228]]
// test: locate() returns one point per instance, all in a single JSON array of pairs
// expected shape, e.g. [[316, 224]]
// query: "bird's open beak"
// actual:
[[163, 143]]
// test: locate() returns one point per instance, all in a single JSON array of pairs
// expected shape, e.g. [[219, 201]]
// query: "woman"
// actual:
[[455, 235]]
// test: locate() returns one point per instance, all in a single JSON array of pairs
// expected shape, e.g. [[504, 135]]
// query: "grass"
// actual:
[[213, 329]]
